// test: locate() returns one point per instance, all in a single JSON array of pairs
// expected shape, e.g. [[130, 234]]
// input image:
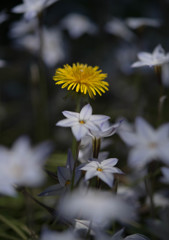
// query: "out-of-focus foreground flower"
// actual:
[[96, 206], [82, 78], [22, 165]]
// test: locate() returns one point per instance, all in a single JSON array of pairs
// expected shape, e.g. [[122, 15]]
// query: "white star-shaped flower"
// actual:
[[147, 143], [80, 123], [103, 170], [157, 58], [32, 8]]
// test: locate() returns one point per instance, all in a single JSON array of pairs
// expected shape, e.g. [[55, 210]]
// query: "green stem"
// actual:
[[75, 145], [75, 164], [157, 70], [149, 189], [116, 182], [96, 147]]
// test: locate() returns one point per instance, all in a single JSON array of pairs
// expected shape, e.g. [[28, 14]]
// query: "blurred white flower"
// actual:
[[104, 170], [129, 194], [118, 28], [80, 123], [22, 165], [135, 23], [32, 8], [53, 235], [2, 63], [77, 25], [165, 74], [147, 143], [23, 27], [157, 58], [165, 172], [52, 52], [3, 16], [95, 206], [160, 199]]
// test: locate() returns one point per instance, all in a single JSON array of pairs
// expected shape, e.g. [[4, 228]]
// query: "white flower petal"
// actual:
[[139, 157], [91, 125], [109, 161], [145, 57], [129, 137], [163, 152], [144, 130], [99, 118], [79, 131], [139, 64], [112, 170], [107, 178], [19, 8], [66, 123], [163, 132], [70, 114], [89, 174], [158, 50], [88, 167], [85, 112], [50, 2]]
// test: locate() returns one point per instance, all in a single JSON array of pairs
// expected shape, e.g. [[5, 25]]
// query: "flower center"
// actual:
[[67, 182], [81, 121], [152, 145], [99, 169]]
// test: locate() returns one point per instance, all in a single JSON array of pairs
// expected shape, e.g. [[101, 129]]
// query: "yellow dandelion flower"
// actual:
[[82, 78]]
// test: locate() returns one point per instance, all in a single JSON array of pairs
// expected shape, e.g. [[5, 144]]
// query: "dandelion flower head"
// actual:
[[82, 78]]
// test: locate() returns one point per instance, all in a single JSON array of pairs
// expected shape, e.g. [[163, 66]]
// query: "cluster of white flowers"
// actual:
[[90, 192]]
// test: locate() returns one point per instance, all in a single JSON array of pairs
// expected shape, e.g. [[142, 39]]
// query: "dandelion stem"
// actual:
[[75, 146]]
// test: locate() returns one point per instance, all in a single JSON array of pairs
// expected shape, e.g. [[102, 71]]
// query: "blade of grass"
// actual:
[[13, 227]]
